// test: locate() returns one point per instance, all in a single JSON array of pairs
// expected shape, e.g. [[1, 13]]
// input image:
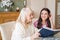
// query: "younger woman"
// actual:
[[45, 19]]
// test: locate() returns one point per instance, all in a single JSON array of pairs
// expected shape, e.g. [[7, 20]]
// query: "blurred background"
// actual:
[[10, 9]]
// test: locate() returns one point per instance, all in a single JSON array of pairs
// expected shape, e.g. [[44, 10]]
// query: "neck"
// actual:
[[43, 22]]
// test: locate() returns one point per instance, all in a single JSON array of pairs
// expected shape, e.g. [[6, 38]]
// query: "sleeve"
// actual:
[[35, 23], [35, 28], [18, 33]]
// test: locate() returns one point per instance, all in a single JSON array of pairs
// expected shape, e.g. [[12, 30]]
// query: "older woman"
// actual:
[[24, 29]]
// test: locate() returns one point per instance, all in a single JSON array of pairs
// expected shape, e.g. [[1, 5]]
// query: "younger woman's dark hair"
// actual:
[[39, 25]]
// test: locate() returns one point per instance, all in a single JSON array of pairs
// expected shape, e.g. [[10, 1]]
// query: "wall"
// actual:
[[58, 8], [36, 5]]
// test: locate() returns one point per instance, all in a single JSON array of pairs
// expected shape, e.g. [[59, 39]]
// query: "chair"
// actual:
[[6, 30]]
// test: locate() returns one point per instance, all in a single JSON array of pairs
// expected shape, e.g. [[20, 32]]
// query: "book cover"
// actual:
[[47, 32]]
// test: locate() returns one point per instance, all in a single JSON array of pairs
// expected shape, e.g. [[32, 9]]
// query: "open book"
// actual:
[[47, 32]]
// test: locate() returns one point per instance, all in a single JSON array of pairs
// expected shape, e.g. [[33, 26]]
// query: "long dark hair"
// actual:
[[39, 25]]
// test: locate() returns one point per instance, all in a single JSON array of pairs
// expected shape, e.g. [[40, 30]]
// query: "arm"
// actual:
[[35, 23], [51, 21], [18, 33], [52, 25]]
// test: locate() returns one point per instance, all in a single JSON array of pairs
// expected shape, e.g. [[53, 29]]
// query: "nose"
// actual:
[[43, 15]]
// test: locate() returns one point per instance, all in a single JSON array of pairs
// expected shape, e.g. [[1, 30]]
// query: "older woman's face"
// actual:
[[29, 17]]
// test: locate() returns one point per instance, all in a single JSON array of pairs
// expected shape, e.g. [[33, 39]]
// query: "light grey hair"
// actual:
[[24, 12]]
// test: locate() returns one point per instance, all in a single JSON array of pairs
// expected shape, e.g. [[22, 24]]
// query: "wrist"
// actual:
[[51, 20]]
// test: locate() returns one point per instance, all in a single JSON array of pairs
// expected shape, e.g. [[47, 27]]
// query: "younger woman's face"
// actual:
[[29, 17], [44, 15]]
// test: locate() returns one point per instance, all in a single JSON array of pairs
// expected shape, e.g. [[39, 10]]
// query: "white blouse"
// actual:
[[20, 33]]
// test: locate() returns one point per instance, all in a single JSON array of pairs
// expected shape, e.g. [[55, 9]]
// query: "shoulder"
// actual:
[[35, 23], [18, 26]]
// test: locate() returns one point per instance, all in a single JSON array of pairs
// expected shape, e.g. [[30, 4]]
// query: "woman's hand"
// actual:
[[36, 35]]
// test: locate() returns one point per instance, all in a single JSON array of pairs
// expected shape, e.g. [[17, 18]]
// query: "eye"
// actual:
[[41, 13], [46, 13]]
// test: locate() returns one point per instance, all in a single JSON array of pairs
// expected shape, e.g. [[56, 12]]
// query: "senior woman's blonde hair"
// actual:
[[24, 12]]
